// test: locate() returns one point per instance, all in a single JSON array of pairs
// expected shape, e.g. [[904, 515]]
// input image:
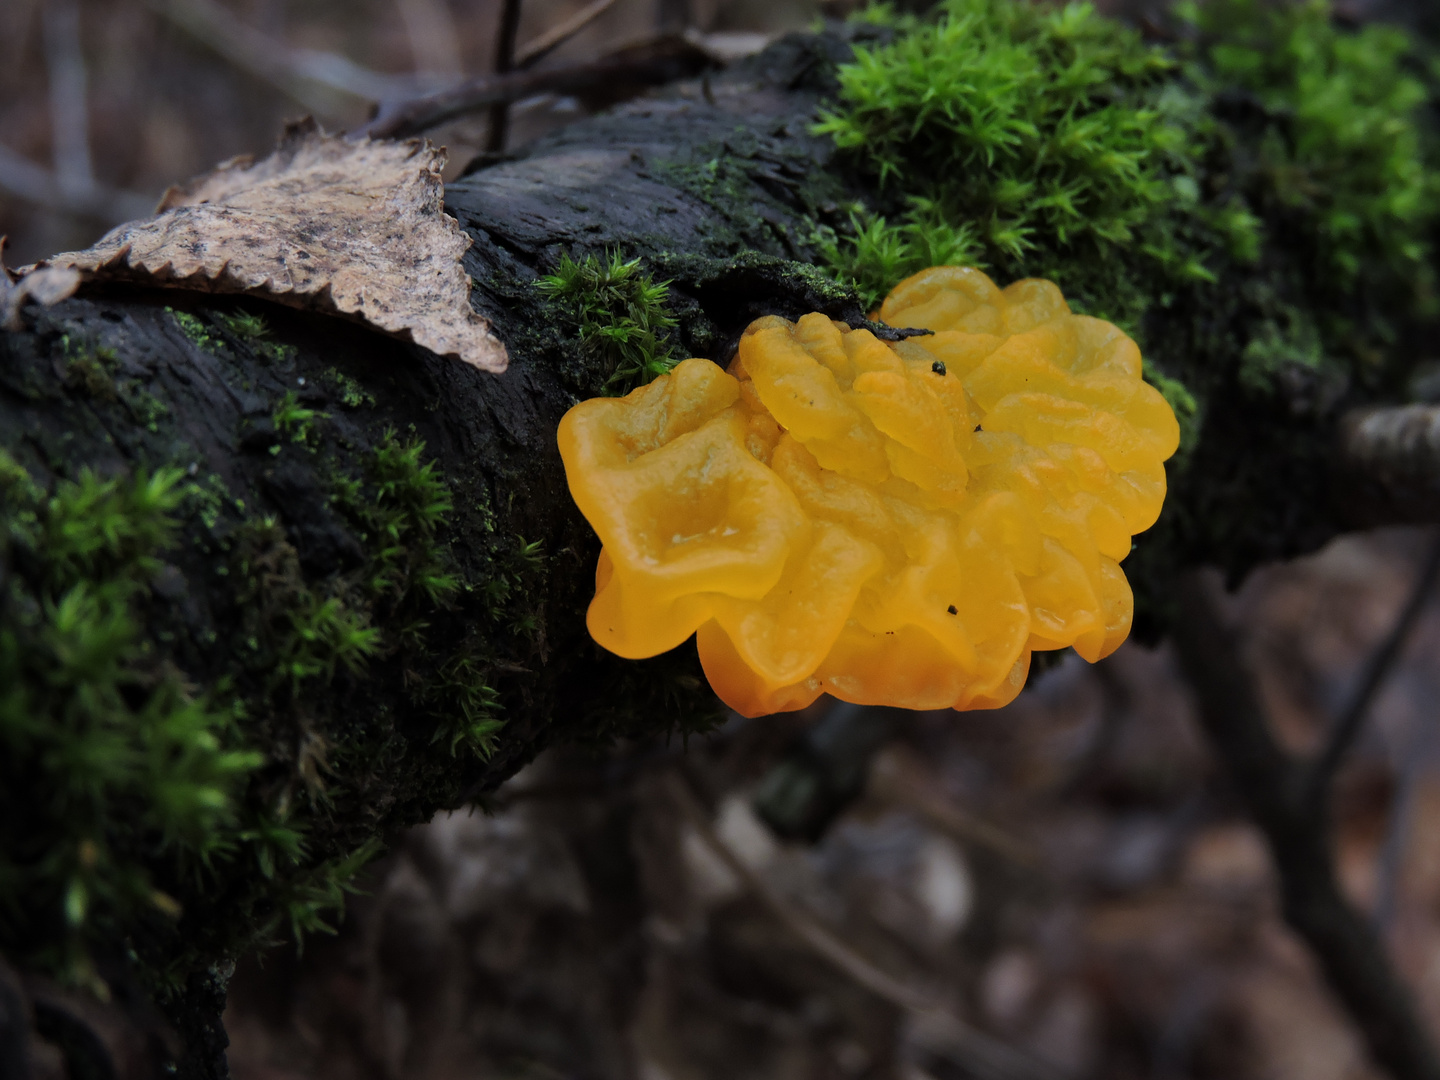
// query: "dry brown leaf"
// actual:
[[45, 286], [352, 228]]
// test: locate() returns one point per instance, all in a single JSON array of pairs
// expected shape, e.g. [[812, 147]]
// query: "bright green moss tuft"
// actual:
[[399, 507], [294, 421], [617, 312], [193, 328], [1009, 136], [244, 325], [135, 767], [1342, 146], [1275, 171], [352, 394]]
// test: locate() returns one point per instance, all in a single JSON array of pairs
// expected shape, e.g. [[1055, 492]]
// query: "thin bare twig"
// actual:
[[536, 49], [1274, 785], [897, 777], [1377, 670], [648, 63], [987, 1058], [504, 62], [69, 96]]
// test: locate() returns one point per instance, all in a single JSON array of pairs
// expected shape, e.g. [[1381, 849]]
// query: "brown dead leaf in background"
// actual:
[[352, 228]]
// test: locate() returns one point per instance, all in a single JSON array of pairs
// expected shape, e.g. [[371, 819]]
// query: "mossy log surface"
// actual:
[[452, 652]]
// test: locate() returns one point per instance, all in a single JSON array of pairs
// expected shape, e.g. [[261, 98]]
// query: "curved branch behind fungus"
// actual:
[[1377, 669], [1274, 786]]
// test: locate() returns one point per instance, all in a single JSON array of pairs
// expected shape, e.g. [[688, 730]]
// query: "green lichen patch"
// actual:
[[618, 313]]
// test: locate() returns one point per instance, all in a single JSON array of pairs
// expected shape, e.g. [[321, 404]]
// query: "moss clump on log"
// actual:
[[1269, 146], [250, 625]]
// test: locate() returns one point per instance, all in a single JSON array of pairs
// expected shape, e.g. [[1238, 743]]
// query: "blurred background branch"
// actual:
[[34, 184], [311, 77], [69, 100], [1377, 669], [1290, 801]]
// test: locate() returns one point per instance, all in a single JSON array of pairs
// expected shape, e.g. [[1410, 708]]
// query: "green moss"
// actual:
[[137, 770], [147, 409], [254, 331], [1334, 161], [352, 394], [295, 421], [1343, 144], [194, 329], [1275, 171], [209, 498], [618, 313], [244, 325], [1182, 402], [307, 902], [1010, 136], [399, 506], [93, 373], [300, 635]]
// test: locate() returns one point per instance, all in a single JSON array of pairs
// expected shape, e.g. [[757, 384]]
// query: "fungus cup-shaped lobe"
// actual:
[[897, 524]]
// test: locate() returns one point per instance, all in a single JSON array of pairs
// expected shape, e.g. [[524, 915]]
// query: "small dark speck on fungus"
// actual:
[[938, 367], [953, 610]]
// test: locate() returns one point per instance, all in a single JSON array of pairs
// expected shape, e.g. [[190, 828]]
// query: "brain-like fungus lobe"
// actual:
[[891, 523]]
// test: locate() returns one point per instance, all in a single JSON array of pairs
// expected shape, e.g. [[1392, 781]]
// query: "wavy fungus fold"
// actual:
[[890, 523]]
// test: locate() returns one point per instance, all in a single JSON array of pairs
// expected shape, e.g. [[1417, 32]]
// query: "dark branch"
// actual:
[[648, 64], [1273, 785], [504, 62], [1377, 670], [538, 48]]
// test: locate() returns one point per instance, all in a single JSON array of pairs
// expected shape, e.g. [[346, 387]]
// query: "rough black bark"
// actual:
[[717, 186]]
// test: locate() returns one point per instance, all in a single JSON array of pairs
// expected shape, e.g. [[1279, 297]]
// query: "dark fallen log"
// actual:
[[377, 581]]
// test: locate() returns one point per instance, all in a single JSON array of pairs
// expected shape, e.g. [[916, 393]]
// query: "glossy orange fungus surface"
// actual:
[[891, 523]]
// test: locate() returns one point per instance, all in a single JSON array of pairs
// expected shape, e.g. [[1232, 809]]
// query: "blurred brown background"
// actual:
[[1070, 877]]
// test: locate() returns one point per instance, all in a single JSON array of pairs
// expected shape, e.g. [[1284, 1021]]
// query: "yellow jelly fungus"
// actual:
[[891, 523]]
